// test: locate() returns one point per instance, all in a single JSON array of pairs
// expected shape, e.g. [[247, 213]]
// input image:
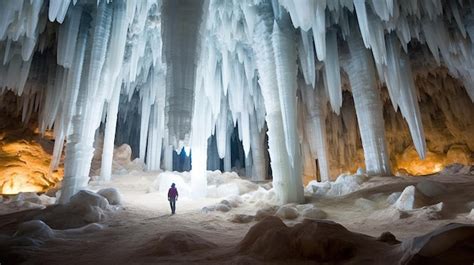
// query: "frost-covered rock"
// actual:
[[264, 212], [287, 212], [112, 195], [34, 229], [393, 197], [343, 185], [431, 212], [314, 213], [27, 196], [222, 207], [85, 198], [316, 187], [409, 199], [242, 218]]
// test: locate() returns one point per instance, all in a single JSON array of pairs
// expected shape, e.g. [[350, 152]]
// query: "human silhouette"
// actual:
[[173, 197]]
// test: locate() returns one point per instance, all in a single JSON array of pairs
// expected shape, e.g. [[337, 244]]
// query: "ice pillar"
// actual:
[[368, 107], [286, 174], [317, 123], [259, 167]]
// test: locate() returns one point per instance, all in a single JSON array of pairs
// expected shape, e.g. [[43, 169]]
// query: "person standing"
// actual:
[[173, 197]]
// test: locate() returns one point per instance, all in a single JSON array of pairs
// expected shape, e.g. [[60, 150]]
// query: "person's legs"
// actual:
[[173, 205]]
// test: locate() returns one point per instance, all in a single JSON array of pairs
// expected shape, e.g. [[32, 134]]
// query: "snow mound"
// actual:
[[112, 195], [220, 184], [175, 243], [343, 185]]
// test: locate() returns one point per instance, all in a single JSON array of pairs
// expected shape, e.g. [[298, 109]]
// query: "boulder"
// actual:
[[287, 212], [112, 195], [265, 212], [88, 198], [36, 229], [314, 213]]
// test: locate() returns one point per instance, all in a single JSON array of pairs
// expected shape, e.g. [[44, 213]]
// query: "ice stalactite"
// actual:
[[287, 182], [368, 105], [315, 105], [402, 90], [332, 71], [181, 21]]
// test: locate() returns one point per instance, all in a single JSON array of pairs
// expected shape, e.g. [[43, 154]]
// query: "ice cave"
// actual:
[[293, 132]]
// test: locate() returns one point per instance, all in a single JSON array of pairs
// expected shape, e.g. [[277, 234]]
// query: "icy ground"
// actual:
[[218, 230]]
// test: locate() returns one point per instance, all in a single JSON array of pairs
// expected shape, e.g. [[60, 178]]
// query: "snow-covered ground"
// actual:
[[131, 222]]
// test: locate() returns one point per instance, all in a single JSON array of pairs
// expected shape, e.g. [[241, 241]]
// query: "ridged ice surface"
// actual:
[[334, 85]]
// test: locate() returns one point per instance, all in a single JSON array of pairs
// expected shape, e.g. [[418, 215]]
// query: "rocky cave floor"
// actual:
[[248, 229]]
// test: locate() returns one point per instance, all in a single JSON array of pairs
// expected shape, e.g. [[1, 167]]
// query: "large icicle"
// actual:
[[332, 71], [402, 89], [368, 106]]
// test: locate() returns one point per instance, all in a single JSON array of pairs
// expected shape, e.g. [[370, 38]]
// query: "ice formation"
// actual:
[[315, 76]]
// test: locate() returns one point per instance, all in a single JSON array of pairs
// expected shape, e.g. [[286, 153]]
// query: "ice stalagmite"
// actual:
[[287, 182], [368, 107]]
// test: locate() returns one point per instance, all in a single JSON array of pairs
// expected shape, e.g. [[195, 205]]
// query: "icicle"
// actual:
[[332, 71]]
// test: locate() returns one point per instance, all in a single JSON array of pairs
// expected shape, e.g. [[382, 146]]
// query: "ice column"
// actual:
[[368, 106], [259, 167], [286, 178], [109, 135], [317, 121]]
